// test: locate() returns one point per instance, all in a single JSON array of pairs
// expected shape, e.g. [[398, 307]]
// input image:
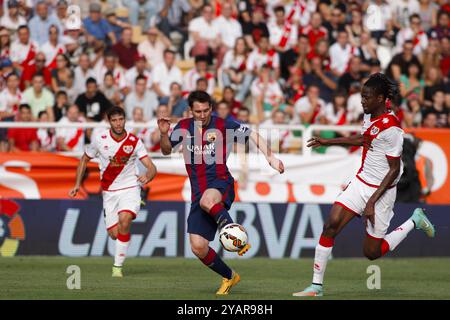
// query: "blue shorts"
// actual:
[[199, 221]]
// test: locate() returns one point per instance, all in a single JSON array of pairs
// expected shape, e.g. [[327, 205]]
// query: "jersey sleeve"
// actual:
[[176, 136], [393, 142], [141, 152], [91, 150], [241, 132]]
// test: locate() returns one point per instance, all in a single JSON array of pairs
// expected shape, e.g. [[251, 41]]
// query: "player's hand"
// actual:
[[369, 213], [144, 179], [164, 125], [315, 142], [73, 192], [276, 163]]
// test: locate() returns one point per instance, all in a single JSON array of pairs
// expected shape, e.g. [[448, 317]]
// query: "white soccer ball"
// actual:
[[233, 237]]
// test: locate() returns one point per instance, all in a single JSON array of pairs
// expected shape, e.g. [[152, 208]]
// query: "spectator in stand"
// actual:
[[254, 30], [243, 115], [201, 84], [61, 14], [200, 70], [229, 28], [161, 112], [428, 13], [39, 98], [5, 43], [165, 73], [336, 111], [432, 55], [41, 22], [205, 35], [414, 33], [354, 74], [334, 26], [70, 138], [355, 29], [294, 88], [23, 139], [92, 103], [82, 72], [429, 120], [37, 67], [23, 50], [61, 105], [283, 34], [125, 50], [402, 10], [315, 31], [46, 136], [234, 66], [266, 94], [176, 103], [139, 69], [340, 54], [111, 90], [228, 96], [367, 51], [62, 73], [143, 133], [153, 47], [320, 78], [322, 51], [12, 19], [311, 108], [222, 111], [378, 19], [109, 62], [10, 98], [52, 48], [6, 68], [413, 114], [411, 83], [97, 27], [141, 97], [117, 24], [400, 62], [433, 82], [149, 7], [439, 109], [445, 57], [442, 29]]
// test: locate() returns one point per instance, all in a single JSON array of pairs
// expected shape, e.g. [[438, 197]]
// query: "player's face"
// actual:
[[117, 123], [370, 102], [201, 111]]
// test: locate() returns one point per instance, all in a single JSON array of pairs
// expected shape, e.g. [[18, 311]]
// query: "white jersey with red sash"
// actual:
[[51, 52], [298, 8], [73, 137], [117, 158], [257, 59], [383, 139], [190, 81], [24, 54]]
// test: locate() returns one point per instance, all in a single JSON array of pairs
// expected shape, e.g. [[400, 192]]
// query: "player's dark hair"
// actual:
[[115, 111], [382, 85], [199, 96]]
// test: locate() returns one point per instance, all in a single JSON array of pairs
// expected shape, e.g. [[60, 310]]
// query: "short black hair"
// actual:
[[24, 106], [382, 85], [140, 77], [199, 96], [108, 73], [41, 113], [91, 80], [115, 110], [169, 51], [201, 58], [279, 8], [23, 26], [61, 93], [245, 109]]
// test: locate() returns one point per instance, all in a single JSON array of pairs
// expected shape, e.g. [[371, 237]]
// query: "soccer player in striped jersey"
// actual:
[[373, 191], [118, 152], [207, 140]]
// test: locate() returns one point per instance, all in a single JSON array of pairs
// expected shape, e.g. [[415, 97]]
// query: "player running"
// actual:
[[373, 191], [118, 152], [207, 141]]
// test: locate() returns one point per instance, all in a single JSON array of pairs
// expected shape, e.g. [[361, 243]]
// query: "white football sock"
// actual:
[[121, 252], [398, 235], [320, 263]]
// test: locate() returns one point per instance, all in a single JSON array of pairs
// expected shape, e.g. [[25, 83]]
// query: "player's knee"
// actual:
[[113, 235], [206, 203], [330, 229], [199, 250]]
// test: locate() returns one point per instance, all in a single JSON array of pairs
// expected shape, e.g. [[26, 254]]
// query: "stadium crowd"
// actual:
[[264, 61]]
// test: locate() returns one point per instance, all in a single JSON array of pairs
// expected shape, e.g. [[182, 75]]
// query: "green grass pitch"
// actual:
[[187, 279]]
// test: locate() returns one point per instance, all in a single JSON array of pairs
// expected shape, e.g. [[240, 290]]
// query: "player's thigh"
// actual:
[[110, 206], [372, 247], [383, 215], [200, 223], [199, 245], [338, 218], [129, 203]]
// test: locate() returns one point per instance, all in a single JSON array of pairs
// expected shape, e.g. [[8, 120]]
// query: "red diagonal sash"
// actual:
[[118, 162], [73, 142]]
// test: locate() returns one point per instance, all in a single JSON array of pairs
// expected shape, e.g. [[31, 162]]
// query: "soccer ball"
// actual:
[[233, 237]]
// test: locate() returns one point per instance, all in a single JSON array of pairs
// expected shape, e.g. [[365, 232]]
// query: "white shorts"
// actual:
[[354, 198], [126, 200]]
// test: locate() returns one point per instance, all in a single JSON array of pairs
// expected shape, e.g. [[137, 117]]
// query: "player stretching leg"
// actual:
[[117, 151], [372, 192], [206, 142]]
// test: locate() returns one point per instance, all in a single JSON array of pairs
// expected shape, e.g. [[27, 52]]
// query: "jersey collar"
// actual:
[[116, 140]]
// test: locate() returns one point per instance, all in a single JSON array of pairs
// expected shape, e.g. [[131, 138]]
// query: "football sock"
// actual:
[[221, 215], [393, 239], [323, 252], [122, 242], [215, 263]]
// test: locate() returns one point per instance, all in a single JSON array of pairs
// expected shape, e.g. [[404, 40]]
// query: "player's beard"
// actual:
[[118, 133]]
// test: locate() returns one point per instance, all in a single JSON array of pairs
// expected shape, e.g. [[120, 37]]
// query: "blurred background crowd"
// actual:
[[274, 62]]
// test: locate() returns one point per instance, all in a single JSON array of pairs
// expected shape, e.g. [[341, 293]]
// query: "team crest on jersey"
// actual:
[[132, 138], [211, 136], [127, 149], [374, 130]]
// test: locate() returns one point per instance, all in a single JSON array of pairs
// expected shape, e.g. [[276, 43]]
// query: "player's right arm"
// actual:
[[80, 174], [354, 140], [164, 127]]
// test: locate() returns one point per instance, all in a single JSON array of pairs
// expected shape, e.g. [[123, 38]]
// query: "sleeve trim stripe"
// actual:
[[88, 156], [392, 157], [143, 157]]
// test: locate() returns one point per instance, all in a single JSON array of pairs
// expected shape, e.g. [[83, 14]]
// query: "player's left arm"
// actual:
[[393, 151], [151, 170], [264, 147]]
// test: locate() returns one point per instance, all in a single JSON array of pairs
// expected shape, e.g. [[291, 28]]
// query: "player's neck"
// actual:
[[376, 113], [118, 137]]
